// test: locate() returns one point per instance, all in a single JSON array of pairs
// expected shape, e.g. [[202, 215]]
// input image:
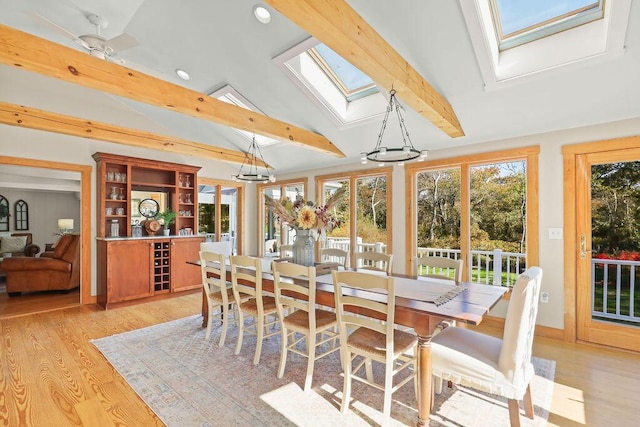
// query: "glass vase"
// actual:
[[303, 245]]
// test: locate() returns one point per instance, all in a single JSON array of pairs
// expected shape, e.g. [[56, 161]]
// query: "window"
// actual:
[[219, 211], [21, 210], [4, 214], [519, 22], [349, 96], [273, 234], [481, 209], [515, 40], [231, 96], [365, 212]]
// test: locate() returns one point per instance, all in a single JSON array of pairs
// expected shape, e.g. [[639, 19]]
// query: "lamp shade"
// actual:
[[65, 223]]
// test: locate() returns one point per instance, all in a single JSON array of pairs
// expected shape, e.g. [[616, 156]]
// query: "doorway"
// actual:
[[83, 295], [603, 244]]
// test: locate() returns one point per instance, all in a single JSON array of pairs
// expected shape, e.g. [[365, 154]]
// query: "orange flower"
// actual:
[[307, 218]]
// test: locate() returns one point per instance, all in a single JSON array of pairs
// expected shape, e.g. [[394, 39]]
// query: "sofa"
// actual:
[[18, 244], [58, 270]]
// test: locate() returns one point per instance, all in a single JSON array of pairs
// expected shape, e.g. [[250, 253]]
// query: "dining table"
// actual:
[[421, 303]]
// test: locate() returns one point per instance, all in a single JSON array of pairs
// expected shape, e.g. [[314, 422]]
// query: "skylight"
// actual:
[[353, 83], [231, 96], [517, 39], [518, 22], [346, 93]]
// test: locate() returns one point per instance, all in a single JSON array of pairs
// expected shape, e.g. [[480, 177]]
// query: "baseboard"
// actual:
[[541, 331]]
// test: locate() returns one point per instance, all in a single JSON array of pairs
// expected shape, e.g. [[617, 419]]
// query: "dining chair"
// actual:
[[376, 261], [438, 267], [365, 339], [295, 289], [218, 292], [493, 365], [246, 278], [335, 255], [286, 251], [223, 248]]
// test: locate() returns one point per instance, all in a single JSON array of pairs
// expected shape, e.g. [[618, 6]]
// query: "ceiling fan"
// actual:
[[96, 44]]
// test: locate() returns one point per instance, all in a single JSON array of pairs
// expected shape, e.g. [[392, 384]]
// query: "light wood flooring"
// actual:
[[51, 375]]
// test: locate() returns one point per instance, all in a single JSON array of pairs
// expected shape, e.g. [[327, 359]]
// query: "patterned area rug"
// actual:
[[189, 381]]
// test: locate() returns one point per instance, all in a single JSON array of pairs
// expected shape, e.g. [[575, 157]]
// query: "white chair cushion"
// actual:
[[471, 359]]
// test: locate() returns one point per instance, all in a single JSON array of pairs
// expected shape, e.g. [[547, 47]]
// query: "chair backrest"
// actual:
[[376, 261], [351, 295], [519, 324], [214, 274], [291, 278], [286, 251], [335, 255], [223, 248], [438, 267], [248, 269]]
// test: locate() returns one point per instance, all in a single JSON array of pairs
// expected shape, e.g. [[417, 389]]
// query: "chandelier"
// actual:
[[383, 154], [249, 169]]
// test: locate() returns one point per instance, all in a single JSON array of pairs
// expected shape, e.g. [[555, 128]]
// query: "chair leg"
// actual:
[[240, 331], [283, 351], [260, 331], [514, 413], [437, 385], [311, 358], [209, 323], [346, 387], [528, 403], [225, 323], [388, 385], [368, 366]]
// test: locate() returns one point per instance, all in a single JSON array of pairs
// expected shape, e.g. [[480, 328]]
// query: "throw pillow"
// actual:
[[13, 243]]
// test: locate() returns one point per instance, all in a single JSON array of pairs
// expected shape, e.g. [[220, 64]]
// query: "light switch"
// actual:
[[555, 233]]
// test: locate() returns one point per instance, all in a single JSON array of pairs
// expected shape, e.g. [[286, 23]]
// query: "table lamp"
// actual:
[[65, 225]]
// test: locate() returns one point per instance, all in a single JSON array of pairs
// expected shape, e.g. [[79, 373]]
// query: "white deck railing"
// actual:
[[614, 280]]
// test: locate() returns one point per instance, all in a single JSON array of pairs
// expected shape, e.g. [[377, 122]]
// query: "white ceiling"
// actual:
[[220, 42]]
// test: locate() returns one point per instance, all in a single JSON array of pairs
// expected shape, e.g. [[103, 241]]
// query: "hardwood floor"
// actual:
[[51, 375], [37, 302]]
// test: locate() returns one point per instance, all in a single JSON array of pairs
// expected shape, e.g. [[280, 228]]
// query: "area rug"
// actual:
[[190, 381]]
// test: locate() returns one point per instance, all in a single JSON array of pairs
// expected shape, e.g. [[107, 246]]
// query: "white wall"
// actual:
[[53, 147], [45, 207]]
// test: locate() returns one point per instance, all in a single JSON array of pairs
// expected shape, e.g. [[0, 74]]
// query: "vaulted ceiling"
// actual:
[[221, 43]]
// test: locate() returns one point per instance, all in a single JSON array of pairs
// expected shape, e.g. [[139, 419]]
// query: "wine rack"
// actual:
[[161, 266]]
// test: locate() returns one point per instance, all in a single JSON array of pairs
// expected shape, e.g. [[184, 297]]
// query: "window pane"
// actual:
[[438, 213], [207, 209], [498, 222], [229, 216], [339, 236], [371, 208]]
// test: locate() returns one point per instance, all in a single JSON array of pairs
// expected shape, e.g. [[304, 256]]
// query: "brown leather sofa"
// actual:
[[30, 249], [57, 270]]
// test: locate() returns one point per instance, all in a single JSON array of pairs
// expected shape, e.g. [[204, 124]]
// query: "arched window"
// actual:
[[4, 214], [21, 215]]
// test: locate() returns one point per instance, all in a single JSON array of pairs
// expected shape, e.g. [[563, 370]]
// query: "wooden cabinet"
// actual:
[[183, 250], [117, 176], [121, 272], [130, 269]]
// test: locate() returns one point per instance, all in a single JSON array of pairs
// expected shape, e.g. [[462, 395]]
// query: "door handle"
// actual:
[[583, 246]]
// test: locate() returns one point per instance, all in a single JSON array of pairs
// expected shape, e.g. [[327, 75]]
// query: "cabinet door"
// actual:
[[185, 276], [129, 270]]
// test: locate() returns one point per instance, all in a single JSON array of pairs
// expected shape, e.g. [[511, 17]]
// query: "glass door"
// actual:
[[608, 242]]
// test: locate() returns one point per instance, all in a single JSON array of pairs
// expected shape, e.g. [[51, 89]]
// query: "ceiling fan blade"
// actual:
[[60, 29], [122, 42]]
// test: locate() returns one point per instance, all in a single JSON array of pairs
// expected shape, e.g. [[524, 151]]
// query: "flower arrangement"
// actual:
[[304, 215]]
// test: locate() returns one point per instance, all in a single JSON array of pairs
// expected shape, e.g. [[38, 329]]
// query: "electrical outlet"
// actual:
[[555, 233], [544, 297]]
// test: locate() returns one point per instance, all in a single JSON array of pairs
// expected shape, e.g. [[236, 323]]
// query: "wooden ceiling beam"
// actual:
[[27, 117], [26, 51], [338, 25]]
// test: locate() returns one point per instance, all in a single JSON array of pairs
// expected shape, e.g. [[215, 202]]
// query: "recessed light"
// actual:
[[183, 74], [262, 14]]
